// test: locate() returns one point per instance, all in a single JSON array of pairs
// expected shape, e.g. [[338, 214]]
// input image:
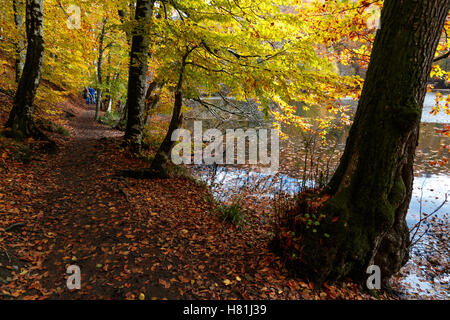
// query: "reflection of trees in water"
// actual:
[[430, 146], [304, 155], [307, 156], [431, 149]]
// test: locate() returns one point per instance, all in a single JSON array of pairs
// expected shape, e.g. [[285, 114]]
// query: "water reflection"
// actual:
[[430, 101]]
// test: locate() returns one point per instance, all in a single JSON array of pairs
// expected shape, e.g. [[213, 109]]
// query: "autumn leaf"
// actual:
[[227, 282]]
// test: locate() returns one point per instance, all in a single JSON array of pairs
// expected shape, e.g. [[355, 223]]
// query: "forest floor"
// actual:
[[132, 239]]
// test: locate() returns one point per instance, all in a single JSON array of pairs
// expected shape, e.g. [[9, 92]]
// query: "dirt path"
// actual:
[[152, 239], [79, 204]]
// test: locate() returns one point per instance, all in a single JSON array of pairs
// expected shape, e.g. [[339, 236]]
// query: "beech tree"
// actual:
[[162, 156], [366, 201], [251, 59], [137, 78], [18, 21], [101, 49], [21, 116]]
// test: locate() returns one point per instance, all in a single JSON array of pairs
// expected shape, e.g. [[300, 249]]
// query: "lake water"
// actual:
[[426, 275]]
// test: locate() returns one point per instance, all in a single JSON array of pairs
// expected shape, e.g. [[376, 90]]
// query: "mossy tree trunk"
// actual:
[[21, 116], [371, 189], [138, 75]]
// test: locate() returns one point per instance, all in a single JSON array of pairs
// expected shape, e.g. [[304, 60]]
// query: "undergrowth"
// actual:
[[110, 118], [232, 213]]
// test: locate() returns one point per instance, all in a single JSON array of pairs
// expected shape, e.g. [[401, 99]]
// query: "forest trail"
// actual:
[[132, 239], [76, 208]]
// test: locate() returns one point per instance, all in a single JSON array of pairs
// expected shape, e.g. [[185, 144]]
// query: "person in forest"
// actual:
[[92, 95]]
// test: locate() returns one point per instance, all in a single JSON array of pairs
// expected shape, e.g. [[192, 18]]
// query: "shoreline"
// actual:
[[443, 91]]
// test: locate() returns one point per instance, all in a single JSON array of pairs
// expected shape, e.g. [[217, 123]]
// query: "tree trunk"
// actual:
[[162, 157], [20, 45], [162, 160], [124, 117], [108, 85], [21, 115], [151, 100], [371, 189], [101, 48], [137, 75]]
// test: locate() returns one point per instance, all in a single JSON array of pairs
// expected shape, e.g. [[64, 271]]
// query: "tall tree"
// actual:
[[18, 21], [162, 157], [137, 78], [21, 115], [101, 49], [371, 189]]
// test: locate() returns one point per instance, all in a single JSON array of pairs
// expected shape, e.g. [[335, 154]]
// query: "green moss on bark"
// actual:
[[398, 192]]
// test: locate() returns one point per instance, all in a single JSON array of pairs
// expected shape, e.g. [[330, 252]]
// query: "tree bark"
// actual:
[[21, 115], [20, 45], [137, 75], [162, 157], [161, 162], [108, 85], [101, 49], [371, 189], [151, 100]]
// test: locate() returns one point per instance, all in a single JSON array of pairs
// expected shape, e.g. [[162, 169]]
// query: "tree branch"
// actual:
[[444, 56]]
